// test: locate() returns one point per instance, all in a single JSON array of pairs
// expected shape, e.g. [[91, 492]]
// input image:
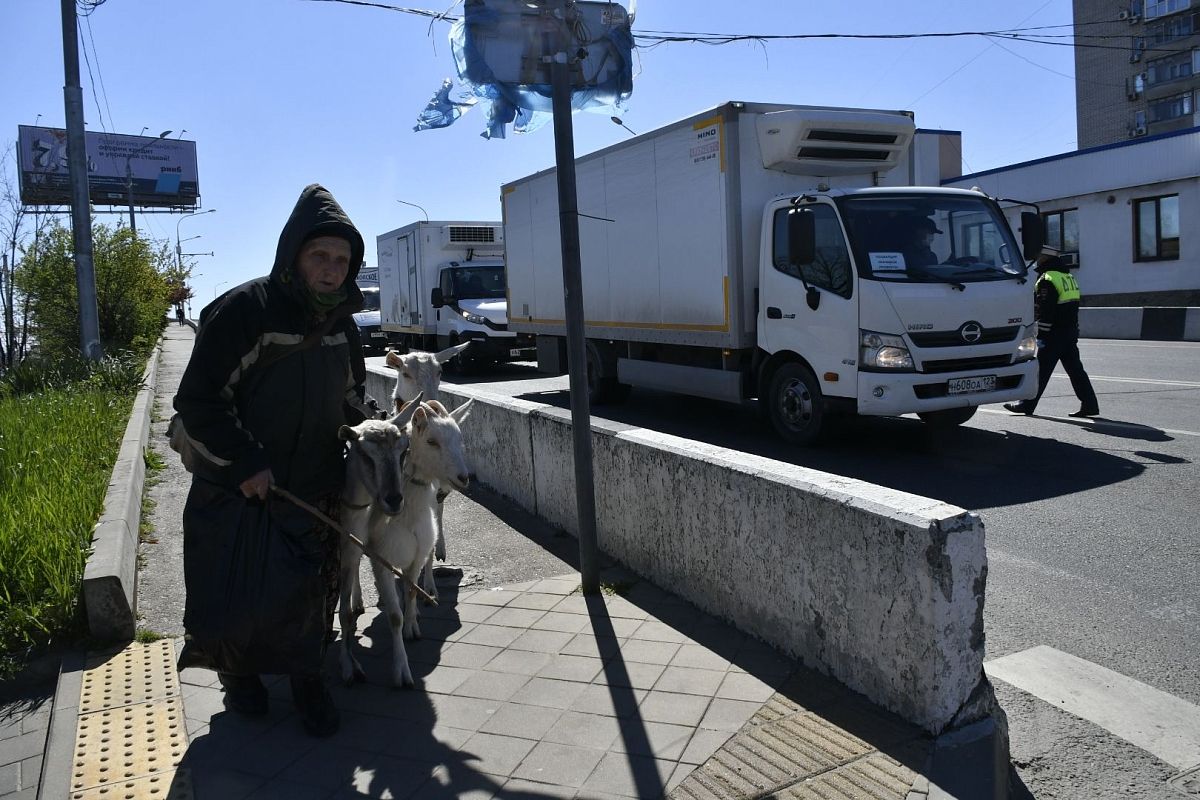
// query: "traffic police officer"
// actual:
[[1056, 306]]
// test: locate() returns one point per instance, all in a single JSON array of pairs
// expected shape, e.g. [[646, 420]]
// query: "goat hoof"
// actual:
[[439, 552]]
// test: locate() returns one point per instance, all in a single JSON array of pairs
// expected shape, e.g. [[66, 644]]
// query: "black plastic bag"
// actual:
[[256, 578]]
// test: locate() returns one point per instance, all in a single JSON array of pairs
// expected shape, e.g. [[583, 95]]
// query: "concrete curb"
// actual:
[[109, 579], [1155, 324]]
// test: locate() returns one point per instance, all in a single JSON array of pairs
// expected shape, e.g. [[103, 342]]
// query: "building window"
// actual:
[[1156, 228], [1160, 8], [1173, 107], [1171, 29], [1062, 230], [1172, 68]]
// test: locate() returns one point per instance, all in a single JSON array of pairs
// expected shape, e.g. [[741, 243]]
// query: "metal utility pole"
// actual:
[[81, 214], [568, 223]]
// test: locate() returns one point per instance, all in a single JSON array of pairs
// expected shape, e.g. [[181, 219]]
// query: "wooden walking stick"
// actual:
[[367, 549]]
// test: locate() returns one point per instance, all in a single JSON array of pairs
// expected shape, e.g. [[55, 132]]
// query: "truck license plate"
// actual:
[[982, 383], [515, 353], [378, 335]]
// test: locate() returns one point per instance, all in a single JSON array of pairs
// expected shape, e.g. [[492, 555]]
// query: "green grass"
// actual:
[[57, 449]]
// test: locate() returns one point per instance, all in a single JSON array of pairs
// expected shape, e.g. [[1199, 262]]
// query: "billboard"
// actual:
[[163, 171]]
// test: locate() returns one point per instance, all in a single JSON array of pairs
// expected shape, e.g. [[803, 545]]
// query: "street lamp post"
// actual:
[[218, 285], [129, 177], [178, 250]]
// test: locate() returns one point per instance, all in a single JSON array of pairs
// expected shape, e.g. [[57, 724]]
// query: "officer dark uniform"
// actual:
[[1056, 306]]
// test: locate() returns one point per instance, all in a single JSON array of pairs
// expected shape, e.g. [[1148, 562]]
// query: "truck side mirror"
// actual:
[[435, 298], [802, 235], [1033, 234]]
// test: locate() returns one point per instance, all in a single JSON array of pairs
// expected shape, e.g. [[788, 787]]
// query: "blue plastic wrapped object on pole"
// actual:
[[503, 50]]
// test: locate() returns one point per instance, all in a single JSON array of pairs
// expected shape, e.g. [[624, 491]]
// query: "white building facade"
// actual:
[[1128, 212]]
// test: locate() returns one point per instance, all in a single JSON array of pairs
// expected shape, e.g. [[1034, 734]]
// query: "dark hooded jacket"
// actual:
[[255, 394]]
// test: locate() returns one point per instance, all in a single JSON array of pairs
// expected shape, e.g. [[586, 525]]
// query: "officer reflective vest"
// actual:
[[1064, 284]]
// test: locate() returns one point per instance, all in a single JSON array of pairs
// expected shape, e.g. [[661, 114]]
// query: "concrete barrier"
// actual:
[[880, 589], [110, 575], [1151, 323]]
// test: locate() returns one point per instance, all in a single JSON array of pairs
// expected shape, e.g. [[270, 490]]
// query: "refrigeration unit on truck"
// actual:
[[789, 253], [443, 283]]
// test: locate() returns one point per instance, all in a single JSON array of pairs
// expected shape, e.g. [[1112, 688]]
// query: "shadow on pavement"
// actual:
[[974, 467]]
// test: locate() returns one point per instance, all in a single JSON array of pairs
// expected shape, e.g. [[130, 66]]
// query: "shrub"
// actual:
[[131, 292]]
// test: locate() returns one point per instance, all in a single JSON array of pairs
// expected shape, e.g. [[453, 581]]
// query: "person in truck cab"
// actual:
[[919, 252], [1056, 306]]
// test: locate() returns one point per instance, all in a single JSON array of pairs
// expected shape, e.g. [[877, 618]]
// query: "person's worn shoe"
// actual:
[[1017, 408], [1085, 412], [318, 714], [244, 694]]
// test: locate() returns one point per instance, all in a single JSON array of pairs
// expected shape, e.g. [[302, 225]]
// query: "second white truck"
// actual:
[[443, 283], [795, 254]]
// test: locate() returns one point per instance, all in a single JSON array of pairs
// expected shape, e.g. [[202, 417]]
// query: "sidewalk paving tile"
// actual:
[[535, 602], [628, 775], [492, 635], [521, 662], [687, 680], [608, 701], [659, 739], [527, 722], [680, 709], [559, 764], [541, 641], [582, 669], [585, 644], [495, 755], [699, 656], [464, 654], [492, 685], [634, 674], [593, 731], [549, 693], [743, 686], [647, 652], [560, 621], [516, 617]]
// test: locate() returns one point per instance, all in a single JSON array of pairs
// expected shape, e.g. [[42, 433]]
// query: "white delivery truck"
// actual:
[[788, 253], [443, 283]]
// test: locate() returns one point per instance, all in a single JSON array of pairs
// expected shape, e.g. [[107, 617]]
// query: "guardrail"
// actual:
[[1153, 323]]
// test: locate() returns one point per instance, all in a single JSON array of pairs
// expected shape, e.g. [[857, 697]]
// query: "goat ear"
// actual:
[[393, 360], [460, 414], [451, 352], [421, 418], [347, 434], [406, 412]]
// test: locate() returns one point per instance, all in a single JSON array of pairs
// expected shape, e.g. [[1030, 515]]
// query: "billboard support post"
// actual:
[[81, 215], [568, 223]]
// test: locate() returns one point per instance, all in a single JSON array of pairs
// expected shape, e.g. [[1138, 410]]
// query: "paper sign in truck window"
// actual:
[[887, 261]]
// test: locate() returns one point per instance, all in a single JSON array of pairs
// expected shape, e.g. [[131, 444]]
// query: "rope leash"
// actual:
[[367, 549]]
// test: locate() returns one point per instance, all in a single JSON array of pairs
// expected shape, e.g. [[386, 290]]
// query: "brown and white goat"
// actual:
[[435, 457]]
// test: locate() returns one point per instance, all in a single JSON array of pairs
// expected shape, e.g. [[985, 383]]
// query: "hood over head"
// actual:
[[317, 214]]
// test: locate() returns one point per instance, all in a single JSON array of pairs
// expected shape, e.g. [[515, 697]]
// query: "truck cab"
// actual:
[[875, 287], [470, 303]]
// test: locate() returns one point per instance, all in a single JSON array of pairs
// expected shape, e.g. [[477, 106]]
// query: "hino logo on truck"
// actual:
[[921, 326], [971, 332]]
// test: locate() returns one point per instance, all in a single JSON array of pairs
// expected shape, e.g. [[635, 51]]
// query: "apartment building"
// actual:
[[1137, 67]]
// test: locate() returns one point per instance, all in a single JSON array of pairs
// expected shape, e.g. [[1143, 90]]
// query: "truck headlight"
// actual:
[[882, 351], [474, 319], [1026, 350]]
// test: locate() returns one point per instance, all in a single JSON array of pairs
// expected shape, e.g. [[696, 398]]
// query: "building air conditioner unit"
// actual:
[[1139, 130], [1122, 15]]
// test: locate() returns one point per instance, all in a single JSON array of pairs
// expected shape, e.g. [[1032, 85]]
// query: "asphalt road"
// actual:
[[1092, 529]]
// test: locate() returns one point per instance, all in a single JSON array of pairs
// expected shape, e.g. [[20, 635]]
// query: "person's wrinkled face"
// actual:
[[324, 262]]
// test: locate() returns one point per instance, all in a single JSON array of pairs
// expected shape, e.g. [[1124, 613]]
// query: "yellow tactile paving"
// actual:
[[135, 674], [131, 734], [175, 785]]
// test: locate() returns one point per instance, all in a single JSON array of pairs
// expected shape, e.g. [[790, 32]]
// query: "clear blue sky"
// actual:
[[281, 93]]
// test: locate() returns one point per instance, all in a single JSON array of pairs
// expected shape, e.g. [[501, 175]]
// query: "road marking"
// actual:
[[1126, 343], [1094, 422], [1151, 381], [1159, 723]]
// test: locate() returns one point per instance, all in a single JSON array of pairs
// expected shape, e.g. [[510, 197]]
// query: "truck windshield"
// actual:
[[478, 282], [370, 299], [930, 238]]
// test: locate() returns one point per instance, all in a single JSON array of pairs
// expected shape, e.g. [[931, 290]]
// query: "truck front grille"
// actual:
[[953, 339], [963, 364]]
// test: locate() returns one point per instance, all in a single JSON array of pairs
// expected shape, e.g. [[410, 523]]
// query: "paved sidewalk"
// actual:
[[531, 691]]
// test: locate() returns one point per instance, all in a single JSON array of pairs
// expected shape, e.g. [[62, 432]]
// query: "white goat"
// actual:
[[374, 484], [435, 454], [421, 373]]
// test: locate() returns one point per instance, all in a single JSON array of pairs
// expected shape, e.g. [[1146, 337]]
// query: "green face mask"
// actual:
[[324, 302]]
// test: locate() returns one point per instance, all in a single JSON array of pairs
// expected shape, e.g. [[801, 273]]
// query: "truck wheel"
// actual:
[[795, 405], [602, 390], [947, 418]]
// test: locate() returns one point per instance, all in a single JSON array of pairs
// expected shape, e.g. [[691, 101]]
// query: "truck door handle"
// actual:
[[774, 313]]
